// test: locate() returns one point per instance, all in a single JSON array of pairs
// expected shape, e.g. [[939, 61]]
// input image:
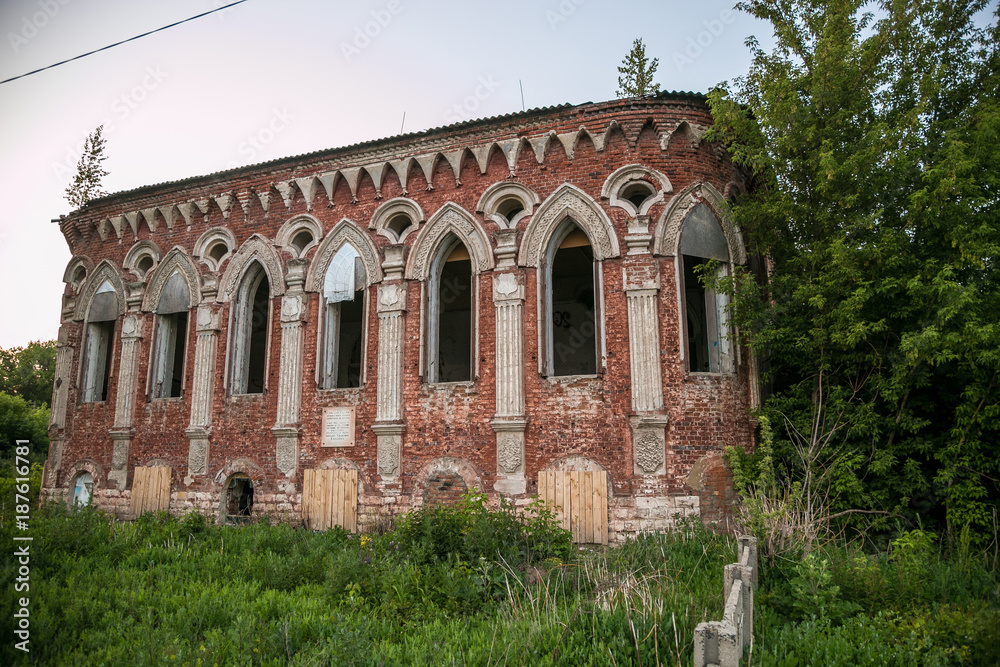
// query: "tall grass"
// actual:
[[168, 590]]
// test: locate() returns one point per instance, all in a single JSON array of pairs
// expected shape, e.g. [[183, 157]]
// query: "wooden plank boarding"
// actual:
[[330, 498], [150, 490], [580, 500]]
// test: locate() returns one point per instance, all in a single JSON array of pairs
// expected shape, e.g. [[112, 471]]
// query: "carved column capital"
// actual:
[[132, 326], [293, 308], [391, 298], [209, 318], [507, 288]]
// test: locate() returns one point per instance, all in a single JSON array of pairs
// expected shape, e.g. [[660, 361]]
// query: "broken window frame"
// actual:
[[709, 240], [99, 344], [243, 514], [80, 484], [434, 305], [562, 231], [242, 329], [169, 350], [355, 282]]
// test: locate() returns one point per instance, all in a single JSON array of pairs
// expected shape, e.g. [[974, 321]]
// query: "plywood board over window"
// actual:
[[580, 500], [150, 490], [330, 498]]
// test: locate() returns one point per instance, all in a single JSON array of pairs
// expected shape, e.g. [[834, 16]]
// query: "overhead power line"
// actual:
[[124, 41]]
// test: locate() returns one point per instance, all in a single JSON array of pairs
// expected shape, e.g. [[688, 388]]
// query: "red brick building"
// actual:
[[487, 305]]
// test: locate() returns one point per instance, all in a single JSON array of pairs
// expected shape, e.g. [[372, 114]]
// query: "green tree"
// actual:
[[28, 371], [21, 421], [90, 171], [873, 147], [635, 75]]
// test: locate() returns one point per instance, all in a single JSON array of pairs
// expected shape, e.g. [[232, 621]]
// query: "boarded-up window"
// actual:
[[150, 490], [580, 500], [330, 498]]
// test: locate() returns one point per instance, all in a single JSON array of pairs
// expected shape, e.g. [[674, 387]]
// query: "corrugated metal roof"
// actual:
[[390, 139]]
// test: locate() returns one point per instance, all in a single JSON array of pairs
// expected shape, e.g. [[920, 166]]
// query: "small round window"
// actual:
[[637, 193]]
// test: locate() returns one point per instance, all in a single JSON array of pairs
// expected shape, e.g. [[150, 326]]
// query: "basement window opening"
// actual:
[[83, 489], [239, 499]]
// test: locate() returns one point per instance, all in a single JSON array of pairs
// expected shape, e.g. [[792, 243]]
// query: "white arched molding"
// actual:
[[500, 192], [668, 230], [135, 255], [632, 173], [568, 201], [256, 248], [449, 219], [105, 271], [345, 231], [73, 267], [175, 261], [208, 239], [389, 210], [290, 230]]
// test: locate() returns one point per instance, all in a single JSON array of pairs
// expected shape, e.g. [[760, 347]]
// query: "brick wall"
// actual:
[[586, 417]]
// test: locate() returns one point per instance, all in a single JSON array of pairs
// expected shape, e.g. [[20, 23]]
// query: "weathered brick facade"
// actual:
[[401, 204]]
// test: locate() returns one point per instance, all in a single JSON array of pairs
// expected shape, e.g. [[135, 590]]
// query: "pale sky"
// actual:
[[267, 79]]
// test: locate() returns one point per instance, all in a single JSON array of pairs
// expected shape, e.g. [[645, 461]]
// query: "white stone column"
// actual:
[[60, 398], [207, 327], [128, 367], [289, 383], [642, 287], [509, 422], [388, 424]]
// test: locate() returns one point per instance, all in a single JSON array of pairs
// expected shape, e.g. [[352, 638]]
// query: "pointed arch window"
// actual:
[[570, 306], [99, 345], [251, 332], [170, 339], [343, 320], [450, 314], [706, 322]]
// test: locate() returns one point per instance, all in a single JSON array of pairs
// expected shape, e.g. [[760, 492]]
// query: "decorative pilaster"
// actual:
[[289, 383], [121, 433], [60, 387], [202, 388], [389, 410], [649, 427], [509, 422]]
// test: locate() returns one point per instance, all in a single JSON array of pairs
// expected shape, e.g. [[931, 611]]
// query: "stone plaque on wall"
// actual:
[[338, 427]]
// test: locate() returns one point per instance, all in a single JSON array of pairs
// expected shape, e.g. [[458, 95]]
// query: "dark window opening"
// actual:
[[218, 251], [168, 370], [145, 264], [239, 499], [348, 319], [637, 193], [509, 208], [573, 321], [301, 240], [454, 318], [696, 312], [257, 350], [97, 367], [399, 223]]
